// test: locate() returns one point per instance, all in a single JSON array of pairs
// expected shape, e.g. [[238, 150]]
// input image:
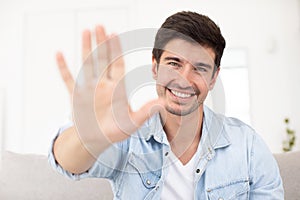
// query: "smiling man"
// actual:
[[196, 75], [173, 147]]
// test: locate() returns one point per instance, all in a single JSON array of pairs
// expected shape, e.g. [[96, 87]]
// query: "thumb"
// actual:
[[146, 111]]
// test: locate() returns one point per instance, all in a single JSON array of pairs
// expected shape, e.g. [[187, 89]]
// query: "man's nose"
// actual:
[[185, 75]]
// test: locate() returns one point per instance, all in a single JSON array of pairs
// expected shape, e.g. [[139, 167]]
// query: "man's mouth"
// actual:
[[181, 94]]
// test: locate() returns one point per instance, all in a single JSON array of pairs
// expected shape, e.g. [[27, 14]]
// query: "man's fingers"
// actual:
[[86, 44], [88, 65], [102, 50], [100, 34], [65, 72], [116, 57]]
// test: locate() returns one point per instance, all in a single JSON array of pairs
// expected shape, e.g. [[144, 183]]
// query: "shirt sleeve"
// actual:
[[265, 180], [108, 164]]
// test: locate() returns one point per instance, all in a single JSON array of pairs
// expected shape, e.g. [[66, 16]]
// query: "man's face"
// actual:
[[184, 76]]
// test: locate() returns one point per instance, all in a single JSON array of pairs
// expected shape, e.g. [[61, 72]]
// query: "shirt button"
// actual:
[[167, 153], [220, 198], [148, 182], [197, 171], [157, 188], [209, 157]]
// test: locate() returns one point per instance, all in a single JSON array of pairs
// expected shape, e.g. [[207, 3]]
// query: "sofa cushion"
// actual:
[[31, 177]]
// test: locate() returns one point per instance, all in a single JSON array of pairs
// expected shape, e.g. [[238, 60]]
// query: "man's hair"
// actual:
[[192, 27]]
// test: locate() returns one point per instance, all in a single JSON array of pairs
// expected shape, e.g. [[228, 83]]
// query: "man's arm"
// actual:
[[266, 182], [71, 154], [101, 113]]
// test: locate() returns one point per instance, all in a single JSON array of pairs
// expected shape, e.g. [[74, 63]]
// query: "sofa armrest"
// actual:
[[289, 166]]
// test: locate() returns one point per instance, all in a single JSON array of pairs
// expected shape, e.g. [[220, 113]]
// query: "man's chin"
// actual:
[[180, 112]]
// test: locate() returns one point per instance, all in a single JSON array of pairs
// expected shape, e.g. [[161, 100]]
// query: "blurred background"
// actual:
[[259, 79]]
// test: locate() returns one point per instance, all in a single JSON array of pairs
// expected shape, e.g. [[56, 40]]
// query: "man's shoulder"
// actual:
[[235, 122], [231, 128], [226, 121]]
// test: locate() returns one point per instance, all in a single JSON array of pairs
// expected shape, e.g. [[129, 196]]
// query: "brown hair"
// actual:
[[192, 27]]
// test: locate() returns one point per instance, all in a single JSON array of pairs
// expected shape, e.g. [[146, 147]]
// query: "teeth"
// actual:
[[180, 94]]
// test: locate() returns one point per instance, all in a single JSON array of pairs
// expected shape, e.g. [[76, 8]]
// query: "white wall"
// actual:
[[31, 32]]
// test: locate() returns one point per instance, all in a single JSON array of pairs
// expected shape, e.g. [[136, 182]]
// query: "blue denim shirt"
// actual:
[[233, 163]]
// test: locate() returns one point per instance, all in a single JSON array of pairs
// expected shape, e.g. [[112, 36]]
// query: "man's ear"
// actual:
[[154, 68], [214, 79]]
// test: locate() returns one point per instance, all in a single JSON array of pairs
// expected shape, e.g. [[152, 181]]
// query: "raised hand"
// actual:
[[101, 112]]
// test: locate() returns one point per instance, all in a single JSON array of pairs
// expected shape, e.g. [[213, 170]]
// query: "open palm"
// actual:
[[101, 112]]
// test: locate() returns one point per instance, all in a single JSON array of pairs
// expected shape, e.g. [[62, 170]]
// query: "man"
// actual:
[[173, 147]]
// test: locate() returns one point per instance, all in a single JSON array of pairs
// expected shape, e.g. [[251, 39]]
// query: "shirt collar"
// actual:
[[156, 130], [213, 133], [213, 136]]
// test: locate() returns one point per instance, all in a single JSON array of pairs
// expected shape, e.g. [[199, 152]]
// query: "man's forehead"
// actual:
[[191, 52]]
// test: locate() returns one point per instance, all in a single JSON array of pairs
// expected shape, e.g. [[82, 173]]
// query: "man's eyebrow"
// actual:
[[173, 58], [201, 64]]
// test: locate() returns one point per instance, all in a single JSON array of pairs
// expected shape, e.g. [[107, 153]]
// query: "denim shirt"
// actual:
[[233, 163]]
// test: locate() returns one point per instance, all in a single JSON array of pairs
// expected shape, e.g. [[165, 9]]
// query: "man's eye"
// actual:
[[174, 64], [201, 69]]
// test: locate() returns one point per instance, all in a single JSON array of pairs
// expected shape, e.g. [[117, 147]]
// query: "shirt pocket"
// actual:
[[237, 190], [139, 177], [147, 170]]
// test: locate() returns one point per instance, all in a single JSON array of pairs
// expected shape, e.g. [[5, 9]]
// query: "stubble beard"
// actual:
[[180, 112]]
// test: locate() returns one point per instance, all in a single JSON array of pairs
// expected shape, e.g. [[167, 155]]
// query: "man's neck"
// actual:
[[184, 133]]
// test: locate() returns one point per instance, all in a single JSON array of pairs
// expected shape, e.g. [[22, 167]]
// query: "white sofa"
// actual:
[[29, 177]]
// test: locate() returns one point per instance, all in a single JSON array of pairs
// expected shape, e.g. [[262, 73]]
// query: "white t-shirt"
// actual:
[[179, 183]]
